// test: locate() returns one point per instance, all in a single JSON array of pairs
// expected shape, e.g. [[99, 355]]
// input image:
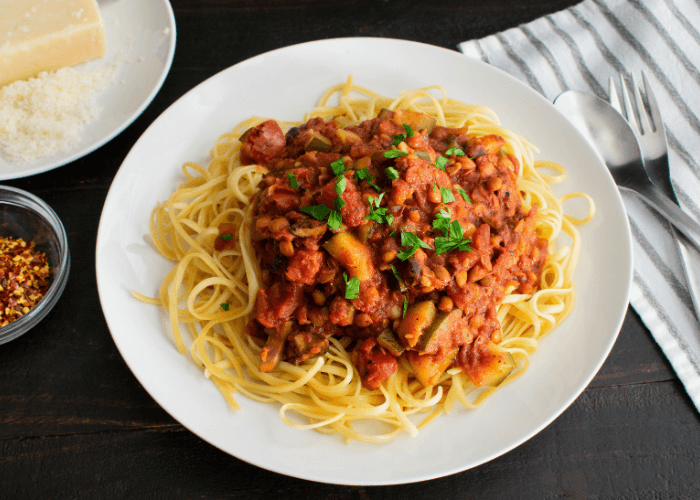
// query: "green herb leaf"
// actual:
[[318, 212], [226, 237], [224, 306], [394, 153], [453, 238], [447, 195], [455, 152], [352, 287], [405, 307], [440, 162], [293, 180], [411, 241], [340, 184], [445, 245], [396, 273], [335, 220], [364, 174], [464, 195], [392, 173], [397, 139], [377, 213], [338, 167], [442, 222]]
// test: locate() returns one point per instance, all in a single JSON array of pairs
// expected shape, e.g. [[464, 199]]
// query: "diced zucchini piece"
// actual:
[[493, 367], [243, 137], [404, 363], [418, 318], [428, 368], [317, 142], [385, 113], [439, 330], [347, 137], [366, 230], [423, 155], [389, 341], [417, 121], [352, 254]]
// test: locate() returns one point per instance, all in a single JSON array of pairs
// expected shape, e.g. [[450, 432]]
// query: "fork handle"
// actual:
[[683, 222]]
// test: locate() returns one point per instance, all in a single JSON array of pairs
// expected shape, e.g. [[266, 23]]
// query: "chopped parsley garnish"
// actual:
[[447, 195], [226, 237], [396, 273], [464, 195], [376, 213], [352, 287], [411, 241], [399, 138], [224, 306], [338, 167], [440, 162], [340, 184], [335, 220], [365, 175], [455, 152], [293, 180], [405, 307], [453, 238], [318, 212], [394, 153], [392, 173]]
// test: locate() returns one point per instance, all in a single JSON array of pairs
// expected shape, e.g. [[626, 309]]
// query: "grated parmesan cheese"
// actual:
[[45, 115]]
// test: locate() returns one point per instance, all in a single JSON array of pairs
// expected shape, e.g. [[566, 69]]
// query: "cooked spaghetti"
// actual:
[[369, 267]]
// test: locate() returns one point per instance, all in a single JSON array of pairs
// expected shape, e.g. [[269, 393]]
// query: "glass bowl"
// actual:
[[23, 215]]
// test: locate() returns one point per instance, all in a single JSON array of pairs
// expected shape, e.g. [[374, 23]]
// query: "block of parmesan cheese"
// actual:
[[46, 35]]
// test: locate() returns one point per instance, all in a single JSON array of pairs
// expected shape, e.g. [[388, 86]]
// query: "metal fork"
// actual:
[[651, 135]]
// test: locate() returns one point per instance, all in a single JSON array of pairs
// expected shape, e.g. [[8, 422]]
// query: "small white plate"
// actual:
[[140, 34], [284, 84]]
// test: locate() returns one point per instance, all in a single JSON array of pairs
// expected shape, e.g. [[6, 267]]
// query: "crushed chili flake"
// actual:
[[24, 278]]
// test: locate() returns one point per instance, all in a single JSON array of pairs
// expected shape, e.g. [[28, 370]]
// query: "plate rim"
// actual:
[[90, 148], [572, 397]]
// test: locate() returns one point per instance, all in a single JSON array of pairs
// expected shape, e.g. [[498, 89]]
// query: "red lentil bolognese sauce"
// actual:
[[379, 262], [402, 235]]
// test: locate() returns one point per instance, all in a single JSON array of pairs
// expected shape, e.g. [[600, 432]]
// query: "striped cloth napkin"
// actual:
[[580, 48]]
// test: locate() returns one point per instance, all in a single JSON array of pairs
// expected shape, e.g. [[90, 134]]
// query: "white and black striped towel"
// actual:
[[580, 48]]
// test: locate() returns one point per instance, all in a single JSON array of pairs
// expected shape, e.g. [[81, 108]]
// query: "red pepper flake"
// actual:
[[24, 278]]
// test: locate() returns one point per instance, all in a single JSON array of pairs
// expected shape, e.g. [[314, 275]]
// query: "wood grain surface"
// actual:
[[75, 423]]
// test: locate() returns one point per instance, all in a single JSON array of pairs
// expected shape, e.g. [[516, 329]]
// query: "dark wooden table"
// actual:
[[75, 423]]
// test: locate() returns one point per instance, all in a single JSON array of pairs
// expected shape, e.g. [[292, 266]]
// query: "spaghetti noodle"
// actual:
[[210, 228]]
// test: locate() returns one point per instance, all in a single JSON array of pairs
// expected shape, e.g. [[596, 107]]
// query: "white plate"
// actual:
[[140, 34], [283, 84]]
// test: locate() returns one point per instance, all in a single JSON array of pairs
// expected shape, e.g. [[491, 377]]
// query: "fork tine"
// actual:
[[641, 110], [612, 95], [630, 112], [653, 104]]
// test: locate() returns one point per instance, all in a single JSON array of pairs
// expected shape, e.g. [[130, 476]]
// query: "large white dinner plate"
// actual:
[[284, 84], [140, 37]]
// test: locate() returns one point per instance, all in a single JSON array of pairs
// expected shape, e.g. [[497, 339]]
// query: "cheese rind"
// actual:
[[46, 35]]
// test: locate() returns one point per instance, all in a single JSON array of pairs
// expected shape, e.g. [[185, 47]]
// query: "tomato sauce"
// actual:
[[399, 234]]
